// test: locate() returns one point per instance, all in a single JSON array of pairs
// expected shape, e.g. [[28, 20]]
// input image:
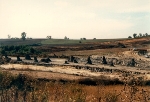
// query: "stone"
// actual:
[[35, 59], [71, 58], [27, 57], [66, 62], [18, 58], [104, 60], [75, 61], [89, 60]]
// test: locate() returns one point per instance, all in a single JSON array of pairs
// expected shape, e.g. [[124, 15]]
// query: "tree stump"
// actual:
[[27, 57], [55, 56], [89, 60], [71, 59], [75, 61], [48, 59], [104, 60], [18, 58], [35, 59], [6, 57], [66, 62], [111, 63], [132, 63]]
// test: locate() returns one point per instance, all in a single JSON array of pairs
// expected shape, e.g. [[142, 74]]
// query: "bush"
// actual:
[[22, 49]]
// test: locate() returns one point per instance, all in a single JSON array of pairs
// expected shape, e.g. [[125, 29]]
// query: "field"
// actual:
[[52, 41], [96, 70], [72, 41]]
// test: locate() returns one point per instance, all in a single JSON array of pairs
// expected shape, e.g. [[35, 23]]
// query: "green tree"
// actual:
[[65, 37], [134, 35], [84, 38], [32, 50], [140, 34], [49, 37], [23, 36], [146, 34], [3, 52], [9, 36], [129, 37]]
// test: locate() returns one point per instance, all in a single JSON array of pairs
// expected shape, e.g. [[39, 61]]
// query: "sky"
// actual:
[[74, 18]]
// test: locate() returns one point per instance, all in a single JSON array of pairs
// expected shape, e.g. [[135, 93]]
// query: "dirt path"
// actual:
[[56, 69], [69, 71], [47, 75], [135, 55]]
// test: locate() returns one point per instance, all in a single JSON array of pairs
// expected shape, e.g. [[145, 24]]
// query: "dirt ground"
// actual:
[[57, 69]]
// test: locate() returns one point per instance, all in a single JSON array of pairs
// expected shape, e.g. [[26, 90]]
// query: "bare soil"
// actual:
[[96, 50]]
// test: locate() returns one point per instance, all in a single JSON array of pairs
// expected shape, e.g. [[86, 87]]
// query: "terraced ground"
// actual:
[[61, 81], [72, 71], [93, 48]]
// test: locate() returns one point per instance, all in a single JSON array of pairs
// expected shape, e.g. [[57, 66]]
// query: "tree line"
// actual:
[[23, 36], [22, 49], [135, 35]]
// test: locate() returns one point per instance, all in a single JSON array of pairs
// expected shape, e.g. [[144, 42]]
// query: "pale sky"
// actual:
[[74, 18]]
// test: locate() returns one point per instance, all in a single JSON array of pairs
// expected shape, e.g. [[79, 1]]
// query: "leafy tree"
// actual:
[[65, 37], [23, 36], [129, 37], [17, 48], [146, 34], [49, 37], [32, 50], [140, 34], [10, 48], [134, 35], [84, 38], [9, 36], [2, 52]]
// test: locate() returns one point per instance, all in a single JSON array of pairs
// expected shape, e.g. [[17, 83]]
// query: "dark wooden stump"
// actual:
[[89, 60], [104, 60], [27, 57], [35, 59], [18, 58], [75, 61]]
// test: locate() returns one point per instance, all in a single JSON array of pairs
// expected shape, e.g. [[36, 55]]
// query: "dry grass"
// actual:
[[23, 88], [91, 52]]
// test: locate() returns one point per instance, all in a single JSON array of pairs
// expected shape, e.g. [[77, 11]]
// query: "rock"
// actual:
[[111, 63], [131, 63], [18, 58], [55, 56], [75, 61], [7, 59], [104, 60], [35, 59], [27, 57], [66, 62], [47, 60], [89, 60], [71, 58]]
